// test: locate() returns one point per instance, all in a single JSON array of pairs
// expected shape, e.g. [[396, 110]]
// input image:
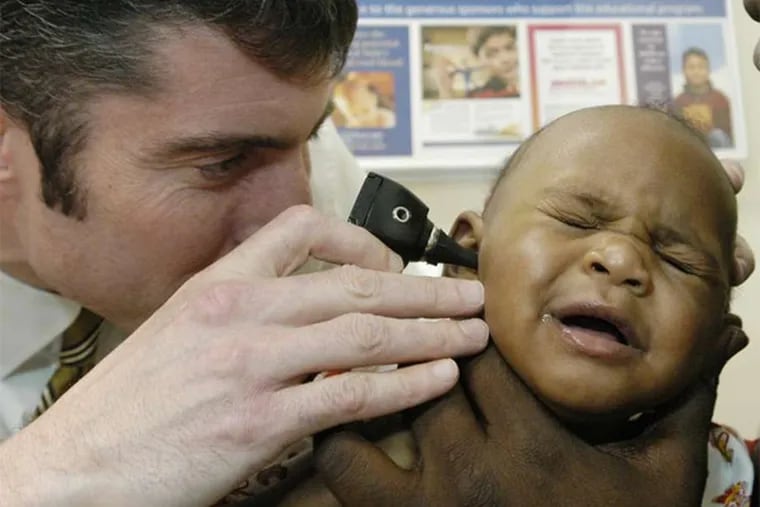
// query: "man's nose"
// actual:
[[618, 262], [269, 190]]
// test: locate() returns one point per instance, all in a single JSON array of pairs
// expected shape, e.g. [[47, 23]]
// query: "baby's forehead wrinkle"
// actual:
[[595, 200]]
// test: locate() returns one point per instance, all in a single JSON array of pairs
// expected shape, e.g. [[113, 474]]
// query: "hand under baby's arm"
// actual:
[[399, 446], [744, 258]]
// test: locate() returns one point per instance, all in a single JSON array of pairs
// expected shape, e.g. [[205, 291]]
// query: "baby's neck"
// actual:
[[608, 431]]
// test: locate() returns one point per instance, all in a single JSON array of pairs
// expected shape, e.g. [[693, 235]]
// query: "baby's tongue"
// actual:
[[596, 327]]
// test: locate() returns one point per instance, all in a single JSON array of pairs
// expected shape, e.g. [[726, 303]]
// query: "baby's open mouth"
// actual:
[[598, 325]]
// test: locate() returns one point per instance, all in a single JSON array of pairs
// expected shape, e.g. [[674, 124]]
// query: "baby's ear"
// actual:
[[730, 341], [468, 232]]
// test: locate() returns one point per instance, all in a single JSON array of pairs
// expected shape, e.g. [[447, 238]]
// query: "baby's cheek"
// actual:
[[541, 256]]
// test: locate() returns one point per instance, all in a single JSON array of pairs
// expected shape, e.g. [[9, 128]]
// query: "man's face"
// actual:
[[696, 70], [499, 54], [174, 182], [603, 263]]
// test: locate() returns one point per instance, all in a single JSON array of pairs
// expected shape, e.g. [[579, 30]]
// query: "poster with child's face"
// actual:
[[701, 82], [470, 62]]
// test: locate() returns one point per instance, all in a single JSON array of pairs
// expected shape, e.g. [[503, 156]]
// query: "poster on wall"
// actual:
[[433, 85], [575, 66]]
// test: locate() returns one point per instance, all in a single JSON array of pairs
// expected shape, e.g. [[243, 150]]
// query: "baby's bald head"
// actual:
[[601, 113]]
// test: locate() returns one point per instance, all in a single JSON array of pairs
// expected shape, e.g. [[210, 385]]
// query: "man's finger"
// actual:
[[355, 339], [354, 396], [359, 473], [735, 173], [677, 440], [753, 8], [744, 261], [287, 241], [675, 444], [347, 289], [678, 436], [506, 403], [444, 428]]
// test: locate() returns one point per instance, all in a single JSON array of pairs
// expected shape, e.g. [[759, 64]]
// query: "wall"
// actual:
[[738, 403]]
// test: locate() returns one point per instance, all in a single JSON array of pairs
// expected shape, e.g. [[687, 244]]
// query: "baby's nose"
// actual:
[[620, 264]]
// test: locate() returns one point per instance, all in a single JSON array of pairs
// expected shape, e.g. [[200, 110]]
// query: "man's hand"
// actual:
[[212, 387], [744, 260], [490, 442]]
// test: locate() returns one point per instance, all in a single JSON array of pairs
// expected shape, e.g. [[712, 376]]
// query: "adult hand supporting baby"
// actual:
[[476, 452], [744, 260], [491, 442]]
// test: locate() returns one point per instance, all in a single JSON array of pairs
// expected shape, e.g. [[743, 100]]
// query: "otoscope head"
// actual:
[[399, 219]]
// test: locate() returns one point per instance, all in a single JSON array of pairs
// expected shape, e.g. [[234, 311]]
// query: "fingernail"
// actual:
[[445, 369], [475, 329], [472, 292], [396, 262], [741, 266]]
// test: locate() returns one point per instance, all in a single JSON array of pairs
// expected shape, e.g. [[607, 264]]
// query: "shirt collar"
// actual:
[[30, 319]]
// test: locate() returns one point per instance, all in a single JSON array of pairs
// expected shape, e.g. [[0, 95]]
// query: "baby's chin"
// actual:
[[599, 422]]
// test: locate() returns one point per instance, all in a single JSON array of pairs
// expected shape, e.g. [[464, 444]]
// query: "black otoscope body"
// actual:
[[398, 218]]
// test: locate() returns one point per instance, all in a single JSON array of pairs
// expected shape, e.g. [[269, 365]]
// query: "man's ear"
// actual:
[[5, 171], [3, 126], [9, 178], [468, 232]]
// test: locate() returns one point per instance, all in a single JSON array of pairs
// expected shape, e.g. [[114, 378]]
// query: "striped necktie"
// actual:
[[76, 358]]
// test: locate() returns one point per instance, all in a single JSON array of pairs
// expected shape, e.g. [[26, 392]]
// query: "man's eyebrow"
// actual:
[[214, 142], [211, 142]]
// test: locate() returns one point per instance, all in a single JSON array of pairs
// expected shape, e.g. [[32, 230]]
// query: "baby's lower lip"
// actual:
[[594, 343]]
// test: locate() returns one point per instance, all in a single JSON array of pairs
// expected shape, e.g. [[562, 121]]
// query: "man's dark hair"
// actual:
[[57, 54], [694, 51], [488, 32]]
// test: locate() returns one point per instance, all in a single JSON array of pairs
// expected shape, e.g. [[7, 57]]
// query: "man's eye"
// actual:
[[223, 169]]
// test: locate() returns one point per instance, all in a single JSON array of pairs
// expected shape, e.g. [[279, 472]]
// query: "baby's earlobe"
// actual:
[[451, 271], [467, 230]]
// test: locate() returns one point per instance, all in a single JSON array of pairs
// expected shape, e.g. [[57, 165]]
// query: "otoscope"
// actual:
[[398, 218]]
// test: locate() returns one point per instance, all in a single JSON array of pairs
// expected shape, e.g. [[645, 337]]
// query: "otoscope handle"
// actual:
[[398, 218]]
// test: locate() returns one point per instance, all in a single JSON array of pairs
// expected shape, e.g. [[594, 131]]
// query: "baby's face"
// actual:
[[604, 264]]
